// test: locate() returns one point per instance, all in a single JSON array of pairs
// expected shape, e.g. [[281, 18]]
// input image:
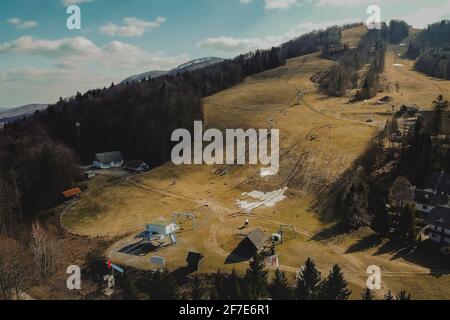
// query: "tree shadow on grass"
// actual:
[[181, 273], [140, 248], [365, 243], [426, 255], [243, 252], [329, 233]]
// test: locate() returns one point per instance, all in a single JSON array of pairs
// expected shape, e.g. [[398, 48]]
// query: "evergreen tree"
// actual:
[[367, 295], [128, 286], [406, 224], [280, 289], [334, 287], [218, 290], [440, 106], [388, 296], [197, 290], [256, 278], [162, 286], [398, 30], [356, 203], [403, 295], [233, 288], [308, 281]]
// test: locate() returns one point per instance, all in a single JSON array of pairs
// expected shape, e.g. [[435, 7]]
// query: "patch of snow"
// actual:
[[266, 172], [268, 199], [397, 65]]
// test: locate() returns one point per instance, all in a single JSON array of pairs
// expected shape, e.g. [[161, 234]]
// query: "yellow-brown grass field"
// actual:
[[340, 134]]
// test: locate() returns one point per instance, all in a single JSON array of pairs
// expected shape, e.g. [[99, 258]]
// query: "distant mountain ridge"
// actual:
[[185, 67], [8, 115]]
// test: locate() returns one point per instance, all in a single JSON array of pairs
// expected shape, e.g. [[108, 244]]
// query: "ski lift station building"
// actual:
[[162, 227]]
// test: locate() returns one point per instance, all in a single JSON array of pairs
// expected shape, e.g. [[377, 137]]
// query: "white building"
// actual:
[[108, 160], [435, 193], [439, 225], [427, 200], [161, 227]]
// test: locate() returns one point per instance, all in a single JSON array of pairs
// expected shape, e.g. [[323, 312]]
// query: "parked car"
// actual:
[[136, 166]]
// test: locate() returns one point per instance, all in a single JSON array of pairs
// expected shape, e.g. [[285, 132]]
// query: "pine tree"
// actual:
[[256, 278], [367, 295], [403, 295], [233, 288], [128, 286], [218, 290], [197, 290], [308, 281], [356, 203], [388, 296], [280, 289], [162, 286], [335, 286], [440, 106], [406, 224]]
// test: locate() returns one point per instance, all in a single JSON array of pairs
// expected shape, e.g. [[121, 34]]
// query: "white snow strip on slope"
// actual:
[[268, 199]]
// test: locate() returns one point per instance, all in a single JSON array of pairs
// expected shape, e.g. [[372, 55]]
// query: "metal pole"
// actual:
[[78, 125]]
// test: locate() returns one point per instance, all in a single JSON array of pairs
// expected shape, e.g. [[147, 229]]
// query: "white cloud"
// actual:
[[276, 4], [19, 24], [79, 65], [280, 4], [425, 16], [79, 51], [132, 27], [235, 45], [70, 2], [348, 3]]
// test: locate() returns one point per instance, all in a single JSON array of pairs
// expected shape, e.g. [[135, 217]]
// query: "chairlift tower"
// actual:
[[78, 126]]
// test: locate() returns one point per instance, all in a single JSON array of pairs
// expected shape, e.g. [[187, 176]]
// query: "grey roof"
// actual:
[[439, 181], [428, 197], [257, 237], [440, 216], [109, 157]]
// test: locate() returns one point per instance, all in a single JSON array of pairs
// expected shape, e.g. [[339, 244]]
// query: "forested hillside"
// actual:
[[432, 50], [345, 75], [398, 31], [39, 156]]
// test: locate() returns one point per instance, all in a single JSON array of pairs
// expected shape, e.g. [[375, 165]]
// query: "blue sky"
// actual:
[[41, 60]]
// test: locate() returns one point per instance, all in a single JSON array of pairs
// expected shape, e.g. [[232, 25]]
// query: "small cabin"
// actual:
[[71, 194], [162, 227], [89, 175], [108, 160], [257, 238]]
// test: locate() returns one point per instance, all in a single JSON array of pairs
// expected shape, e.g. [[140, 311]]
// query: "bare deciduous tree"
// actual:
[[43, 249], [15, 269], [401, 192]]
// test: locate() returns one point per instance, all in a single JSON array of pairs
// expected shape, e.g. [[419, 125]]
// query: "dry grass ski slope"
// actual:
[[320, 138]]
